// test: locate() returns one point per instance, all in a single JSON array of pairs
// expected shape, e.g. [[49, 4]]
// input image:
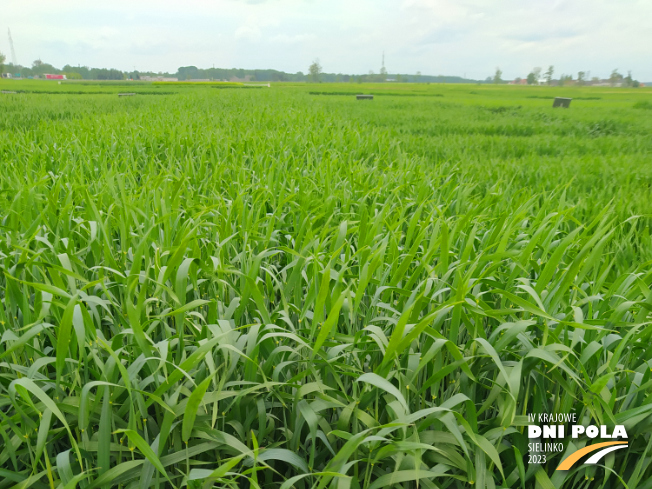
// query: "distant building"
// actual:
[[158, 78], [55, 77], [606, 83], [247, 78]]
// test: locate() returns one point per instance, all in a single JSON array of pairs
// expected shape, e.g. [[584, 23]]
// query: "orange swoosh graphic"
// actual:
[[575, 456]]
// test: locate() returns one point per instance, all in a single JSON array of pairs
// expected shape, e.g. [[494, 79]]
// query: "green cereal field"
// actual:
[[286, 287]]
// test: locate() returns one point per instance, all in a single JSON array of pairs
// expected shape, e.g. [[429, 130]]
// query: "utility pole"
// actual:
[[383, 70], [13, 52]]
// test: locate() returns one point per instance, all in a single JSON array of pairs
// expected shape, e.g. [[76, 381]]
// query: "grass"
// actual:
[[270, 289], [214, 84], [384, 93], [86, 92], [70, 87], [643, 104]]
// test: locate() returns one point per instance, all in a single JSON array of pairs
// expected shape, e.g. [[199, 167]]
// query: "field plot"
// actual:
[[273, 288]]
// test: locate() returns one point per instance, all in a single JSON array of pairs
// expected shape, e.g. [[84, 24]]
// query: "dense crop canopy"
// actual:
[[271, 289]]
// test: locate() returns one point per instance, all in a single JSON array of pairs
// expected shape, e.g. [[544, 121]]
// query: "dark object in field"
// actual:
[[562, 102], [364, 97], [7, 91], [126, 94]]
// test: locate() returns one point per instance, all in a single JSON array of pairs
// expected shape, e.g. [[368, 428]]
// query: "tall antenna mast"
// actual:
[[13, 51]]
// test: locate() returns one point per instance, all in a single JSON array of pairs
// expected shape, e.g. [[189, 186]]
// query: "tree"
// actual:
[[315, 71], [498, 76], [106, 74], [580, 77], [84, 71], [565, 79], [615, 77], [188, 73], [383, 73], [549, 73], [537, 73], [534, 76], [2, 61], [373, 78], [628, 79], [41, 68]]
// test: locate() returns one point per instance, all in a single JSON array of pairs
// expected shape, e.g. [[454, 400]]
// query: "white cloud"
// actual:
[[287, 39], [248, 33]]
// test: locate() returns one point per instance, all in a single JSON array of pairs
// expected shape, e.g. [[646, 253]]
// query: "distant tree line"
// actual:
[[40, 68], [315, 74], [538, 77]]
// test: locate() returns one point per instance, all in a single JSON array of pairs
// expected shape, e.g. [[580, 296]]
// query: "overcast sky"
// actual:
[[450, 37]]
